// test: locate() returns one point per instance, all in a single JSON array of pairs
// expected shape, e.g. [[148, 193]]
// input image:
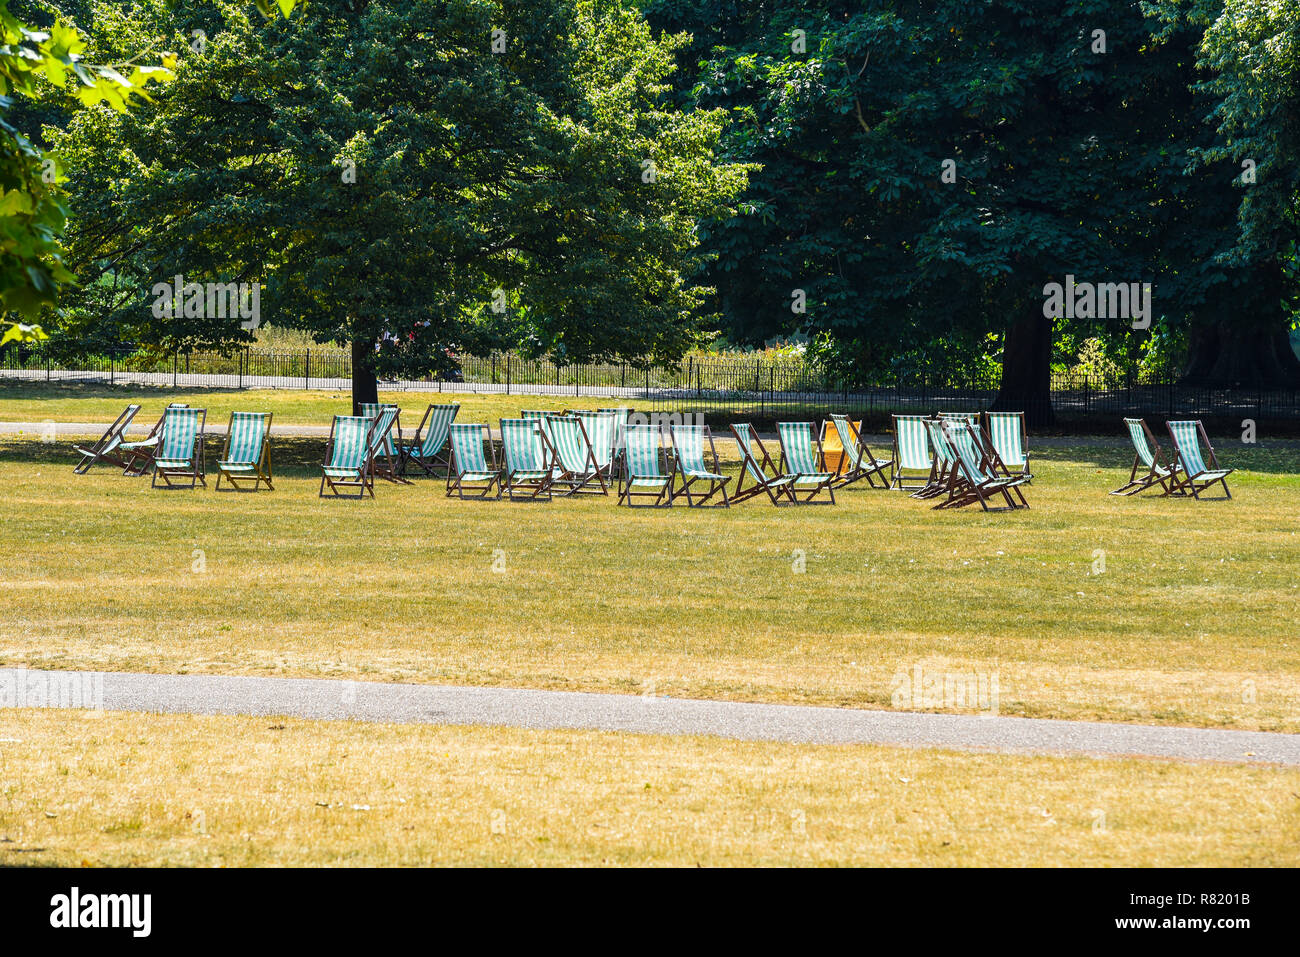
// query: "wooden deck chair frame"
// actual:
[[1187, 456], [105, 448], [632, 478], [533, 482], [181, 466], [485, 479], [364, 480], [974, 481], [902, 452], [139, 455], [235, 472], [823, 481], [577, 481], [429, 460], [861, 462], [1158, 471], [775, 485], [687, 476], [991, 433]]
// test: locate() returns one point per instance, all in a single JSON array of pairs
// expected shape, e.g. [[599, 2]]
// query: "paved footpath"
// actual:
[[521, 708]]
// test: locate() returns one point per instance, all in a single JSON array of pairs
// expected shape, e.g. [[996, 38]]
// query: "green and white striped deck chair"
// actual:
[[575, 464], [912, 453], [943, 471], [469, 464], [1010, 440], [105, 450], [971, 418], [383, 456], [429, 449], [800, 453], [1148, 456], [643, 473], [349, 463], [386, 457], [247, 453], [621, 415], [601, 430], [757, 465], [1197, 475], [859, 461], [690, 465], [528, 460], [139, 455], [973, 478], [180, 449]]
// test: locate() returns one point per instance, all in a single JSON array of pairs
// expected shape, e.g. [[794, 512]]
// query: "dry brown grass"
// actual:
[[133, 789]]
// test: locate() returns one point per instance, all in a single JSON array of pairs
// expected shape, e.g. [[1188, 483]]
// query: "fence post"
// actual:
[[110, 370], [507, 373], [306, 372], [175, 362], [47, 367]]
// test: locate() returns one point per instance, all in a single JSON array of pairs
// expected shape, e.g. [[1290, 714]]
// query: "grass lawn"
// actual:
[[1192, 621], [88, 402], [130, 789]]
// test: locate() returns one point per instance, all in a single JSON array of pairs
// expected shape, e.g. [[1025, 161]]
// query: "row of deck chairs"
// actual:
[[1188, 473], [174, 451]]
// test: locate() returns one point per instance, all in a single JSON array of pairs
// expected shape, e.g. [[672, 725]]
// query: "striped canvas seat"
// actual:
[[384, 460], [107, 448], [601, 428], [429, 449], [1146, 455], [1198, 475], [972, 478], [621, 415], [912, 453], [247, 454], [528, 466], [799, 454], [858, 460], [691, 468], [1007, 433], [372, 410], [180, 448], [349, 462], [574, 461], [643, 475], [469, 464], [757, 465]]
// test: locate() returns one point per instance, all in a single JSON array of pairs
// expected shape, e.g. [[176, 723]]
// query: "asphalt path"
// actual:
[[333, 700]]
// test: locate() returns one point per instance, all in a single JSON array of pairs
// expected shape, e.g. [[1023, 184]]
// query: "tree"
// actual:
[[409, 176], [928, 168], [42, 64]]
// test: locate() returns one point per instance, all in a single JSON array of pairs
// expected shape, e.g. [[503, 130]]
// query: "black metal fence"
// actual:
[[760, 386]]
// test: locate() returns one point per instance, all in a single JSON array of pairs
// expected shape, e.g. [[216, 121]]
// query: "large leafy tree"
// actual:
[[407, 176], [1067, 153]]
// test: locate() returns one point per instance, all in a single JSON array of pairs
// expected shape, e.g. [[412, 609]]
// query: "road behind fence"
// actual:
[[736, 386]]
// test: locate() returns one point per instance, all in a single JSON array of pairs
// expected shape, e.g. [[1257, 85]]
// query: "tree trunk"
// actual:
[[1027, 368], [365, 386], [1245, 342]]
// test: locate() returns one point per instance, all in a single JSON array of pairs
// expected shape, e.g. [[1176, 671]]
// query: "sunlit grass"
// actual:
[[1192, 620], [134, 789]]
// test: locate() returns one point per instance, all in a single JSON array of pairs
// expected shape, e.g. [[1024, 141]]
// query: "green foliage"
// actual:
[[384, 174]]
